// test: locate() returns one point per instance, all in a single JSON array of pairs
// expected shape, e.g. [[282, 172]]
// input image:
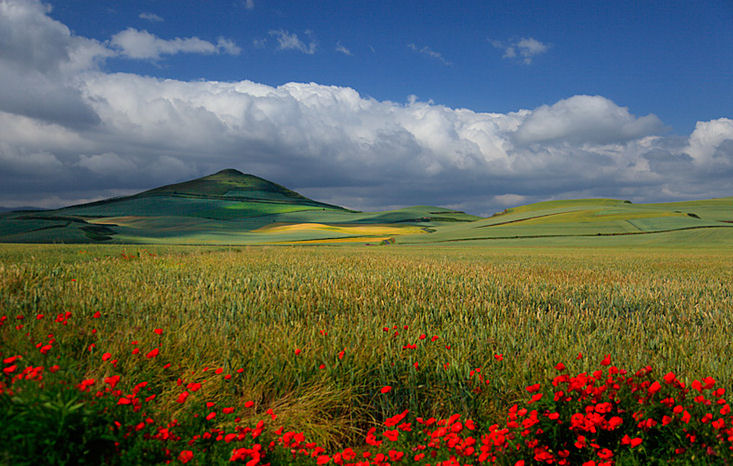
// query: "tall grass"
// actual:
[[251, 308]]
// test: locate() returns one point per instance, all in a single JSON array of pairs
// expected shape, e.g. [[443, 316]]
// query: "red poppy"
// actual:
[[185, 456], [153, 353], [158, 331], [386, 389]]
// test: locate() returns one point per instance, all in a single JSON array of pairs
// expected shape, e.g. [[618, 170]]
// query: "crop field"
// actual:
[[366, 355]]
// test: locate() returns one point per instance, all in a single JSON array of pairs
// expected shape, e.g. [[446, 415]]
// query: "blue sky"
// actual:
[[472, 105], [670, 58]]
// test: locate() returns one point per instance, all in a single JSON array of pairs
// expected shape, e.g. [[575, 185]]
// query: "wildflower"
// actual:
[[499, 357], [158, 331], [533, 388], [606, 361], [153, 353], [185, 456], [386, 389]]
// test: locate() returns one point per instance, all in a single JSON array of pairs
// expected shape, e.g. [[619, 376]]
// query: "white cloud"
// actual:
[[328, 142], [141, 44], [249, 4], [524, 49], [427, 51], [708, 138], [152, 17], [584, 118], [290, 41], [342, 49]]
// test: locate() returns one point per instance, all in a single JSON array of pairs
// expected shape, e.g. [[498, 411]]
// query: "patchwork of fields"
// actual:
[[316, 334], [232, 208]]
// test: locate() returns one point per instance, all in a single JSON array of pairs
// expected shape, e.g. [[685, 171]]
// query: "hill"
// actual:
[[230, 207], [606, 220], [227, 207]]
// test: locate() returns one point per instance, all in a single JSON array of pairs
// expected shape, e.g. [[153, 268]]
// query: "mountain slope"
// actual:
[[226, 207]]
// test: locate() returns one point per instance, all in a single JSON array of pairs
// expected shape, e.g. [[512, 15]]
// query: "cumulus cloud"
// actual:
[[328, 142], [134, 43], [584, 118], [290, 41], [152, 17], [427, 51], [524, 49], [710, 143]]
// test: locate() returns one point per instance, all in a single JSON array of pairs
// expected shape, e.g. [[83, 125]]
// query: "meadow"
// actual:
[[329, 343]]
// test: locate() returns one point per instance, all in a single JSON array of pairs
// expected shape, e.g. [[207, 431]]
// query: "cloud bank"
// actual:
[[84, 134]]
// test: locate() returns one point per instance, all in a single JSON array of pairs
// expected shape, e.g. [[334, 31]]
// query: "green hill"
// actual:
[[572, 219], [228, 207]]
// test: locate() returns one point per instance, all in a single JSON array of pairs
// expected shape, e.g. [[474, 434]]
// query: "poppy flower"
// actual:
[[158, 331], [153, 353], [386, 389], [185, 456], [606, 361], [499, 357]]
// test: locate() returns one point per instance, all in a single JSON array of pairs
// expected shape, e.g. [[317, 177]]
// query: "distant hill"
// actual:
[[231, 207], [227, 207], [596, 218]]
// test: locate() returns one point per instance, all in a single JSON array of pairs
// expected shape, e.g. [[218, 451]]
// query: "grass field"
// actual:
[[353, 314]]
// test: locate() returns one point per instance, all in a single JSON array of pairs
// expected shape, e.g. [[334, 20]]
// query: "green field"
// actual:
[[249, 315], [250, 308], [231, 208]]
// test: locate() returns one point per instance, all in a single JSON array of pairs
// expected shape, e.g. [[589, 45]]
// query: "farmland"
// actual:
[[315, 333]]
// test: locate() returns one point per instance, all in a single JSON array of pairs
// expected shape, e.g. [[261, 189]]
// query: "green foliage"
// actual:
[[56, 424]]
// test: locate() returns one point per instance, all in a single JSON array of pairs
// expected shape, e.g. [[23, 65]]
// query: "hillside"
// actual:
[[228, 207], [598, 218]]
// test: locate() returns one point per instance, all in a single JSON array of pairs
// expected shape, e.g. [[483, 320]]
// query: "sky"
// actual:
[[472, 105]]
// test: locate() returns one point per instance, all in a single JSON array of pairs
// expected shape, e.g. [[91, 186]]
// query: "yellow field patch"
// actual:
[[351, 239], [356, 230]]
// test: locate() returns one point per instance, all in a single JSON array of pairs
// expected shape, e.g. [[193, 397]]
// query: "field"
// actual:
[[307, 338], [232, 208]]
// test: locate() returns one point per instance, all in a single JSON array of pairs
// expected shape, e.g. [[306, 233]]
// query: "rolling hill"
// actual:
[[230, 207]]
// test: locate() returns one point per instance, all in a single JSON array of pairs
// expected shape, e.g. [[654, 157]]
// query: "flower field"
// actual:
[[353, 355]]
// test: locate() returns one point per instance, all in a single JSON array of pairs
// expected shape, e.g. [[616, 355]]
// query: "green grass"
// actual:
[[251, 307]]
